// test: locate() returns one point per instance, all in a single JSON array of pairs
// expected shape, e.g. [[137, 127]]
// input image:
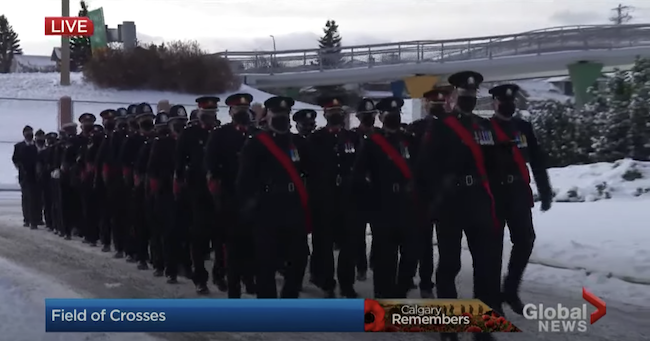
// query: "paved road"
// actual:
[[96, 275]]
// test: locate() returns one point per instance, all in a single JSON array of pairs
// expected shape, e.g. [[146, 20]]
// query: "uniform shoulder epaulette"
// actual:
[[156, 138]]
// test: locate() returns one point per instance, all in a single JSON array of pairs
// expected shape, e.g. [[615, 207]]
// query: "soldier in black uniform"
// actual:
[[190, 172], [65, 158], [49, 195], [92, 191], [334, 220], [160, 174], [457, 157], [42, 178], [135, 196], [142, 218], [222, 164], [367, 115], [25, 157], [305, 120], [436, 104], [512, 186], [272, 184], [78, 173], [386, 158], [154, 223]]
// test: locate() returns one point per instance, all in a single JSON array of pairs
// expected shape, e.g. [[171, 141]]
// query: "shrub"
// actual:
[[178, 66]]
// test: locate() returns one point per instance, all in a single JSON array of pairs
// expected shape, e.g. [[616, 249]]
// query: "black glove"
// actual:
[[546, 203]]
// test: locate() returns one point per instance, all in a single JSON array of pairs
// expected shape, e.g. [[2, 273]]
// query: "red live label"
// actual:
[[69, 26]]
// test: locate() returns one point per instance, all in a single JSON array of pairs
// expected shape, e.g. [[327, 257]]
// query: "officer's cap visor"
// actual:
[[466, 92]]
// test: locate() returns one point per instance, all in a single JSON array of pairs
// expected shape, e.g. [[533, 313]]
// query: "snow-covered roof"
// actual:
[[56, 54], [35, 61], [559, 79]]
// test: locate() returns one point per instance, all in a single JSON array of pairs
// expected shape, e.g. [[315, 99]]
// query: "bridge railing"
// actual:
[[568, 38]]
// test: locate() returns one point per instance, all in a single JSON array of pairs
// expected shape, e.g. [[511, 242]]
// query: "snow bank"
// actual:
[[621, 179], [609, 238], [23, 295]]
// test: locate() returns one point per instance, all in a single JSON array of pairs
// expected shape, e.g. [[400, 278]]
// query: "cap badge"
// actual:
[[470, 80], [368, 105], [283, 104], [308, 115], [393, 104], [242, 100], [210, 103], [335, 101], [509, 92], [441, 96]]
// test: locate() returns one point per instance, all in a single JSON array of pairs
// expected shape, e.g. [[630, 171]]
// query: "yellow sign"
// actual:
[[418, 85]]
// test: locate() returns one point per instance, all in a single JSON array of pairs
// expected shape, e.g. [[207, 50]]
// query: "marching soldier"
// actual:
[[305, 120], [190, 172], [272, 184], [436, 104], [457, 157], [42, 179], [366, 114], [335, 147], [222, 164], [160, 174], [64, 159], [50, 196], [81, 177], [512, 186], [154, 226], [92, 191], [25, 157], [135, 210], [385, 159]]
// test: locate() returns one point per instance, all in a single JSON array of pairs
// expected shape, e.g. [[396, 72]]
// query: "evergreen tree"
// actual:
[[639, 111], [9, 45], [330, 45], [612, 141], [80, 49]]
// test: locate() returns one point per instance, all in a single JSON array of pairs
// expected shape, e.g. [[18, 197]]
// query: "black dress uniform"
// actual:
[[305, 120], [113, 217], [135, 194], [222, 164], [334, 222], [190, 172], [457, 157], [70, 206], [25, 158], [436, 101], [386, 158], [512, 186], [92, 190], [272, 184], [367, 115], [49, 198], [160, 175], [144, 203], [42, 178]]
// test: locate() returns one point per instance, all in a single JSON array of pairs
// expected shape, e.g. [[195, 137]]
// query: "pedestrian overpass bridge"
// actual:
[[534, 54]]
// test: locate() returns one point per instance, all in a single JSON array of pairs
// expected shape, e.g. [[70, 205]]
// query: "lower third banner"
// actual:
[[271, 315]]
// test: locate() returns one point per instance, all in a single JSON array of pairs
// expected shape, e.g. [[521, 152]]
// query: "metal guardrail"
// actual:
[[555, 39]]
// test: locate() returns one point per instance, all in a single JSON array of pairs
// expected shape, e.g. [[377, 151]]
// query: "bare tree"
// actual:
[[621, 14]]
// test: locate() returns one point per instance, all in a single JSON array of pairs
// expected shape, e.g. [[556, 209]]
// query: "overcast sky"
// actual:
[[246, 24]]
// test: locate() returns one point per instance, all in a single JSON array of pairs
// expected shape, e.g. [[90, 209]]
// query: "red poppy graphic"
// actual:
[[374, 316]]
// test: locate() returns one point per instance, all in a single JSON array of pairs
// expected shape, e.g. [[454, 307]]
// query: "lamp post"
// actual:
[[273, 38], [65, 47]]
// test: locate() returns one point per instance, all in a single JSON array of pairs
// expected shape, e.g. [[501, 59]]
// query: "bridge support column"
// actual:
[[417, 86], [583, 74]]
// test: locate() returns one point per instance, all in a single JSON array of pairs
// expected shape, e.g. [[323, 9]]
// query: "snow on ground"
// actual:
[[30, 98], [621, 179], [22, 311]]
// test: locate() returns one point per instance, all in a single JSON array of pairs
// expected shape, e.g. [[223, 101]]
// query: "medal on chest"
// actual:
[[348, 148], [483, 137], [293, 154], [521, 141], [404, 150]]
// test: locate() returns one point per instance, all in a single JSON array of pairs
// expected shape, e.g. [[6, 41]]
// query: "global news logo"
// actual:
[[560, 318]]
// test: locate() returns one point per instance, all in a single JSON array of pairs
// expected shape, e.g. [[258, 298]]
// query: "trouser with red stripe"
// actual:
[[513, 210], [468, 209]]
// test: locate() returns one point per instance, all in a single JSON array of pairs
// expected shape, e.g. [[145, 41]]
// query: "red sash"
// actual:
[[479, 160], [288, 166], [393, 154], [516, 153]]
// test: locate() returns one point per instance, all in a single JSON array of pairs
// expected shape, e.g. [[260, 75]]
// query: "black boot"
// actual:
[[202, 289], [220, 283], [106, 248], [142, 265]]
